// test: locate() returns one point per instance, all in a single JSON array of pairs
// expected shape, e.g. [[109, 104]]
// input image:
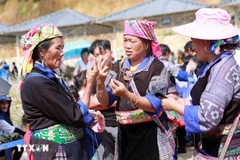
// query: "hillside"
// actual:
[[17, 11]]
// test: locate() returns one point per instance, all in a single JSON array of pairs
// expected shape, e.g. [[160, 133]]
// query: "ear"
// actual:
[[85, 82], [42, 53]]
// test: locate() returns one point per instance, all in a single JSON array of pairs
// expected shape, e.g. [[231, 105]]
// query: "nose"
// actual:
[[127, 45], [61, 53]]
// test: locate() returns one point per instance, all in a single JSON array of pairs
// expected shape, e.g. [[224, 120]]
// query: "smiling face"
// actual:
[[134, 47], [53, 55]]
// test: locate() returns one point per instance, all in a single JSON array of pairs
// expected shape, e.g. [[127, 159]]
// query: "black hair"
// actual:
[[101, 43], [149, 49], [79, 79], [74, 91], [194, 58], [165, 49], [228, 47], [188, 46], [84, 50], [44, 45]]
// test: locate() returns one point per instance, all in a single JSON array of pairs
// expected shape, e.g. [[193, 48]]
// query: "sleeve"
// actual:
[[6, 127], [214, 100], [111, 75], [112, 97], [52, 102], [87, 117], [182, 75], [191, 119], [157, 89], [173, 70]]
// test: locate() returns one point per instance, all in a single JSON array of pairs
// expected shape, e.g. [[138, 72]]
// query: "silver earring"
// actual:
[[205, 48]]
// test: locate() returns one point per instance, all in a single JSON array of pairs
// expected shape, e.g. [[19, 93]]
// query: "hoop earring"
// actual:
[[205, 48]]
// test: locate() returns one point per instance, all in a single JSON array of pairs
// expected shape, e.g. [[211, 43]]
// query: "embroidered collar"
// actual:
[[141, 67], [207, 65], [47, 72]]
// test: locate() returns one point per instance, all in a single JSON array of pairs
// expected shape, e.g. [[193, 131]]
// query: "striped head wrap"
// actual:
[[215, 44], [143, 29], [31, 39]]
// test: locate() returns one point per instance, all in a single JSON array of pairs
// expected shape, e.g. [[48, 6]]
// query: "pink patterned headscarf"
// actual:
[[31, 39], [143, 29]]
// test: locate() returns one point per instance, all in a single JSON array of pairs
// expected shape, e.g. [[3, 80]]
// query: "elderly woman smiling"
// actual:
[[54, 117]]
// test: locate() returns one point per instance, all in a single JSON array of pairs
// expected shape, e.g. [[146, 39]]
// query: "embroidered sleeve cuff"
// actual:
[[87, 117], [156, 103], [111, 96], [182, 75], [191, 119]]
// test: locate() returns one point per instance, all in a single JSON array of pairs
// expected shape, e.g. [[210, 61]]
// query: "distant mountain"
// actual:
[[17, 11]]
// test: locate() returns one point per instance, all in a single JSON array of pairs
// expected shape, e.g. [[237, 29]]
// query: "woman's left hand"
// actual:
[[169, 103], [118, 88]]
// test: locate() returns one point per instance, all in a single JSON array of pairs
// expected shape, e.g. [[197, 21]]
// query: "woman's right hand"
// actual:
[[103, 68], [96, 115]]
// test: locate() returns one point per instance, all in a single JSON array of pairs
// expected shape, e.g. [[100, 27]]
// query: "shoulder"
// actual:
[[227, 64], [157, 65], [226, 71], [115, 66], [38, 82]]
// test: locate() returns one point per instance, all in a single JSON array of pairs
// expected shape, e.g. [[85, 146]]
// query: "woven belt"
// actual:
[[133, 117], [222, 129], [59, 133]]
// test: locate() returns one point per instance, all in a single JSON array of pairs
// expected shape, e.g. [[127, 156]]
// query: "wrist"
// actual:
[[101, 79]]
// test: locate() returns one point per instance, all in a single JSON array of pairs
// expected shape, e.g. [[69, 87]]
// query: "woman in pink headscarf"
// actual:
[[138, 82]]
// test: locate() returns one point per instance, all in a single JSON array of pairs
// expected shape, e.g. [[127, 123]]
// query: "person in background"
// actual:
[[140, 84], [14, 70], [216, 95], [188, 54], [53, 115], [84, 63], [180, 58], [5, 71], [107, 150], [181, 75], [172, 58], [6, 125]]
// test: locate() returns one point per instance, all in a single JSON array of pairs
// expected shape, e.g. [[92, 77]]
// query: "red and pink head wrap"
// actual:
[[143, 29]]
